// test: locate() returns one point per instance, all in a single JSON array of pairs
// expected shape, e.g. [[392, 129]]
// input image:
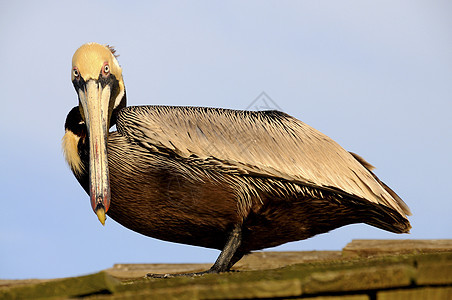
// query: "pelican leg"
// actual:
[[227, 258]]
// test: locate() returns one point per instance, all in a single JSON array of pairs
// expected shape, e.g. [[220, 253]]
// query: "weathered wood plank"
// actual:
[[359, 279], [253, 290], [67, 287], [341, 297], [428, 293], [365, 248], [424, 274], [255, 261], [434, 273]]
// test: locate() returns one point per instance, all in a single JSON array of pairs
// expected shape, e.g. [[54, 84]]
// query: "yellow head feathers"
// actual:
[[89, 60]]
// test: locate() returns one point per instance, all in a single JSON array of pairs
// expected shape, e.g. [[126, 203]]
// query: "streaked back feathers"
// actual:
[[262, 143]]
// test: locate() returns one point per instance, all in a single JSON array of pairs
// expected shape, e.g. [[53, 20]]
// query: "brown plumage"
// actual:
[[226, 179]]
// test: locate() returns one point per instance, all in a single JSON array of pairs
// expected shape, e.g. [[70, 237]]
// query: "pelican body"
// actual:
[[232, 180]]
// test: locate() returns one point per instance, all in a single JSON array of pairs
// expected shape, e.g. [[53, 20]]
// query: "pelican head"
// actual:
[[97, 79]]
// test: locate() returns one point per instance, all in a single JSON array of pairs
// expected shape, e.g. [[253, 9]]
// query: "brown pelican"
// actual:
[[226, 179]]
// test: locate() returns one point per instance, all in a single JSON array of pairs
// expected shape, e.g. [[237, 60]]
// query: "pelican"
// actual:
[[226, 179]]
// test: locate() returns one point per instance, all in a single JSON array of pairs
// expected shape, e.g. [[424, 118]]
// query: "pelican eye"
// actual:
[[76, 73], [106, 69]]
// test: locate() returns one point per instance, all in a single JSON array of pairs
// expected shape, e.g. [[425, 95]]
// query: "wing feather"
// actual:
[[260, 143]]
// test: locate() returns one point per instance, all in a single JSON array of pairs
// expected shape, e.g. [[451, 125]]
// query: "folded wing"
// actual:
[[261, 143]]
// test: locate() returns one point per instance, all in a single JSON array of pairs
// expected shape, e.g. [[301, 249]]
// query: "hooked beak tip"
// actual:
[[100, 212]]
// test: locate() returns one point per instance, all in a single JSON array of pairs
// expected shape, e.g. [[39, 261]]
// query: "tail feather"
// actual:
[[388, 219], [393, 194]]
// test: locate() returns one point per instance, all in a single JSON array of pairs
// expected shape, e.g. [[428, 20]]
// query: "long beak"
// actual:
[[95, 101]]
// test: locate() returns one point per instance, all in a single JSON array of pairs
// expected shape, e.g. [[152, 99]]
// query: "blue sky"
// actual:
[[376, 76]]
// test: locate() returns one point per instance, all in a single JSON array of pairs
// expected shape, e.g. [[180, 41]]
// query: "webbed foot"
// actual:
[[194, 274], [228, 257]]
